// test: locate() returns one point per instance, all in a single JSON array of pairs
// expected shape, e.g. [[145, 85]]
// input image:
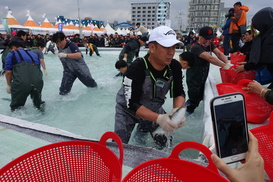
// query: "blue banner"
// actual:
[[60, 27]]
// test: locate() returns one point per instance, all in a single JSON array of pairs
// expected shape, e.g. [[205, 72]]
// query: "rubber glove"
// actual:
[[166, 123], [8, 89], [45, 72], [173, 110], [62, 55], [227, 66]]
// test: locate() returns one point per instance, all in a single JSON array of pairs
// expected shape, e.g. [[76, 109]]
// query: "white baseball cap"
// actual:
[[165, 36]]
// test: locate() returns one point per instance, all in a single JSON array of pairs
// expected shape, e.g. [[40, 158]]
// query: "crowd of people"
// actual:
[[253, 43], [147, 80]]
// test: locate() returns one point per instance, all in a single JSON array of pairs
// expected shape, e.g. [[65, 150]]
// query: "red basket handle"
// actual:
[[197, 146], [111, 135]]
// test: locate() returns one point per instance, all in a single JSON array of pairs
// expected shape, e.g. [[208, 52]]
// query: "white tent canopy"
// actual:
[[109, 29], [119, 31], [124, 32], [127, 30], [12, 22], [47, 28]]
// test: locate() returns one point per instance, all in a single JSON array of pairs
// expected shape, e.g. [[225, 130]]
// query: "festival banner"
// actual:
[[5, 25], [60, 27]]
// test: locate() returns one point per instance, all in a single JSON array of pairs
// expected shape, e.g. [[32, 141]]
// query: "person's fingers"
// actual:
[[181, 124], [253, 143], [246, 88], [172, 124], [252, 147], [223, 167], [170, 129], [241, 63], [183, 120]]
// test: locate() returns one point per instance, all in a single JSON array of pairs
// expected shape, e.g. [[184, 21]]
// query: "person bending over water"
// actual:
[[145, 85], [73, 64]]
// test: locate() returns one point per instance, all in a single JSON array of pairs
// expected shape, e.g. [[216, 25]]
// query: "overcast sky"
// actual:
[[105, 10]]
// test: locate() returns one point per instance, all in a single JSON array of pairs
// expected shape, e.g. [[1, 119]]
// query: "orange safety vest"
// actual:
[[237, 21]]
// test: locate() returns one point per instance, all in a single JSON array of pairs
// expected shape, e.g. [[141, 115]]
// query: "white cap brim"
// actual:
[[169, 43], [165, 36]]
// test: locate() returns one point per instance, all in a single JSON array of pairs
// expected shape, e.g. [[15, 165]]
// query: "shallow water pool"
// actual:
[[90, 111]]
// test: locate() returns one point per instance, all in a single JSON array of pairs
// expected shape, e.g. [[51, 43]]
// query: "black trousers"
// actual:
[[235, 39]]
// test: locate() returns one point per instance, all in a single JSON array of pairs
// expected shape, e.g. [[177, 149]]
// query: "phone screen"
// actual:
[[231, 128]]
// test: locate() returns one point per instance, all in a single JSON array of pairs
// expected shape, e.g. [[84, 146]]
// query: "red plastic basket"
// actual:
[[68, 161], [264, 134], [257, 109], [234, 59], [175, 169], [232, 76]]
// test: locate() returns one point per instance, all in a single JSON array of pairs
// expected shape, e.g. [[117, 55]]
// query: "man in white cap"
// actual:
[[145, 85]]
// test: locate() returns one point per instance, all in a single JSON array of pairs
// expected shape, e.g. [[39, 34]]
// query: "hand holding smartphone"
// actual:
[[230, 127]]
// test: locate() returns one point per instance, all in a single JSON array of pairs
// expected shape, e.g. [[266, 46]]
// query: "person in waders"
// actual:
[[196, 76], [73, 64], [24, 76], [145, 86], [131, 49]]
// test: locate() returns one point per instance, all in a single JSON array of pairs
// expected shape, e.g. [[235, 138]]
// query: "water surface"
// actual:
[[90, 111]]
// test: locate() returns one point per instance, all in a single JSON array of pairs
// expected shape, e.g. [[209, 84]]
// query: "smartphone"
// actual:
[[230, 126]]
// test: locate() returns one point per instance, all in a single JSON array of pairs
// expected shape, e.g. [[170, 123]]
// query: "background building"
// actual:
[[152, 14], [205, 13]]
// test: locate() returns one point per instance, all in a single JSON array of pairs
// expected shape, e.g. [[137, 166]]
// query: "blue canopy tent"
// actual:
[[123, 25]]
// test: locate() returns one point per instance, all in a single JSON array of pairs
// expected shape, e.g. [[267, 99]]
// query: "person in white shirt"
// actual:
[[141, 29], [51, 46]]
